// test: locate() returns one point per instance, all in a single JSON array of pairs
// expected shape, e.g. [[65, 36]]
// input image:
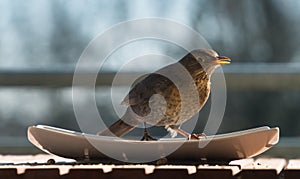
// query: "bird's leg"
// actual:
[[190, 136], [146, 136]]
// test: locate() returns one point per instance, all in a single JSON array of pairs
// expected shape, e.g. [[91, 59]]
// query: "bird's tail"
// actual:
[[124, 125], [118, 129]]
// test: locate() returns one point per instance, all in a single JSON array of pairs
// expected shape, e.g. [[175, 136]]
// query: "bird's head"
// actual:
[[209, 59]]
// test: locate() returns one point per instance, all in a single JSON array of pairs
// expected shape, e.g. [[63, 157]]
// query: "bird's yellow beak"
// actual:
[[222, 60]]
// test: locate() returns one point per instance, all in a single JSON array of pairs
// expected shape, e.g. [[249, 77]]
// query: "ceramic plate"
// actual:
[[79, 146]]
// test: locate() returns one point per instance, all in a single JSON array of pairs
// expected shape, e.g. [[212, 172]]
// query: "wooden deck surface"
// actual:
[[48, 166]]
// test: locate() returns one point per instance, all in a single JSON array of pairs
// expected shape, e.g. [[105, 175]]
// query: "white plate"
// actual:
[[79, 146]]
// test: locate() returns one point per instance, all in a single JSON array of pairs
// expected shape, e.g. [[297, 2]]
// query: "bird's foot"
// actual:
[[197, 136], [190, 136], [147, 137]]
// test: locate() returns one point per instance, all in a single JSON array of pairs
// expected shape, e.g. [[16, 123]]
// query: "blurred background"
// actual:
[[41, 42]]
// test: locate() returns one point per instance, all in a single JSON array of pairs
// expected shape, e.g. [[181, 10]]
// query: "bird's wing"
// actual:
[[142, 91]]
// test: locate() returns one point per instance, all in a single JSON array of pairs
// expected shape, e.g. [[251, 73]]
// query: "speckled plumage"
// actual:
[[157, 99]]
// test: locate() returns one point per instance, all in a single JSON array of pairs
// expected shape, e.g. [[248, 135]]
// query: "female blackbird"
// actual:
[[163, 98]]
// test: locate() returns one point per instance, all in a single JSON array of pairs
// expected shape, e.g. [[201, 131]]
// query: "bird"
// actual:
[[157, 99]]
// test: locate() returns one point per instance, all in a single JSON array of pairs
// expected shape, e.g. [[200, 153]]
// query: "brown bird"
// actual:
[[164, 98]]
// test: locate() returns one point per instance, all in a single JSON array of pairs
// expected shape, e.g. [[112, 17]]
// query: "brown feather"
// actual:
[[140, 98]]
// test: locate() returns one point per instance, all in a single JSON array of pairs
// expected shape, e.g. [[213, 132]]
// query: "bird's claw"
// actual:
[[197, 136], [147, 137]]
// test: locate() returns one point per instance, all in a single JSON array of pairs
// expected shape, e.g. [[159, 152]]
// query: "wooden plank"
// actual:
[[41, 173], [86, 173], [217, 171], [10, 173], [264, 168], [169, 173], [117, 171], [222, 171], [36, 166], [243, 163], [292, 170], [293, 164], [32, 159]]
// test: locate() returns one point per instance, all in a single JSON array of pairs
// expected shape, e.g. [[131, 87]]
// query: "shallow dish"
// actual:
[[223, 147]]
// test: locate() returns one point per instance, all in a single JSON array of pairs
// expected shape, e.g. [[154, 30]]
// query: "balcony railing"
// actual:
[[261, 76]]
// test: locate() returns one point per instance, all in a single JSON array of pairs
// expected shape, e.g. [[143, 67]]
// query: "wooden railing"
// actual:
[[261, 76]]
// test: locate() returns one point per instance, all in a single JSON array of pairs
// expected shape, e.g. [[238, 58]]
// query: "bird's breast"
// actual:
[[171, 104], [195, 100]]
